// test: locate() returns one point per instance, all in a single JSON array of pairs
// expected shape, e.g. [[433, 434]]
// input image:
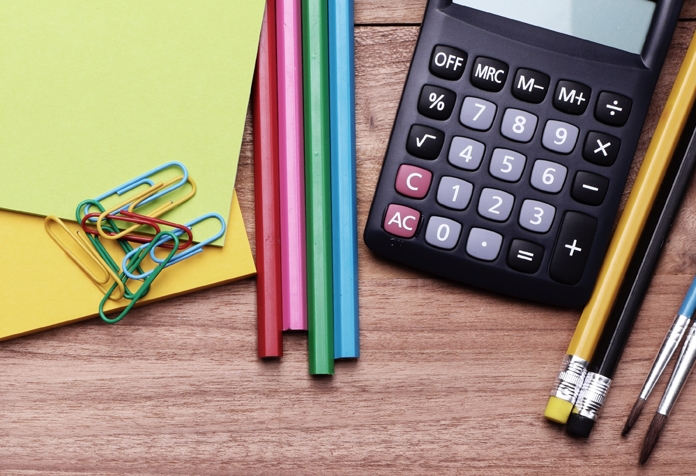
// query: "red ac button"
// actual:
[[401, 221], [413, 181]]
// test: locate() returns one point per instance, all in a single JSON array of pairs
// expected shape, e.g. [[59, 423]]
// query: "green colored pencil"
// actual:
[[315, 46]]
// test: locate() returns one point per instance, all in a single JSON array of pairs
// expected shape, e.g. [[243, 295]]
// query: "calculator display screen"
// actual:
[[621, 24]]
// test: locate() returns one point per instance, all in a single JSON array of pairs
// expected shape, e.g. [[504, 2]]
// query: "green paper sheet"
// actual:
[[96, 92]]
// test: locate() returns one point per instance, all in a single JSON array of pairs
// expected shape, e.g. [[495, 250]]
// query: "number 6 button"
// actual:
[[536, 216]]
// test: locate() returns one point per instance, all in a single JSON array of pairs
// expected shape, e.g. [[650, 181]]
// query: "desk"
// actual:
[[176, 387]]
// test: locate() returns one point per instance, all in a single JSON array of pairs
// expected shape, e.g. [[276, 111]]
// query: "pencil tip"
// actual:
[[656, 427], [633, 416]]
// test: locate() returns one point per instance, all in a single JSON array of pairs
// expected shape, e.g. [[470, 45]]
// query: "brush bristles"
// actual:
[[633, 416], [656, 427]]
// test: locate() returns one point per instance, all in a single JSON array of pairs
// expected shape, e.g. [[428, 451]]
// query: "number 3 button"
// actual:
[[536, 216]]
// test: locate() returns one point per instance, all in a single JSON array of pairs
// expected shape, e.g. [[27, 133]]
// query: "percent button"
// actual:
[[436, 103]]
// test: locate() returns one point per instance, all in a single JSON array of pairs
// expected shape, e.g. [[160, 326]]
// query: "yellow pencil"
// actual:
[[623, 243]]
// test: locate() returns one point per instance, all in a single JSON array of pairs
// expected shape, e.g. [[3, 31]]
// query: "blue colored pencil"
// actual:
[[343, 183]]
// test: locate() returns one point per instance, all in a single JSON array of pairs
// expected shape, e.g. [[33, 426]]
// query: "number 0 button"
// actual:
[[443, 232], [518, 125], [536, 216]]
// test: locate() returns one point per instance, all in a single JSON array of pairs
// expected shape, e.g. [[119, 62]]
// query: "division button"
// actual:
[[572, 248], [483, 244], [442, 232], [589, 188], [613, 109], [466, 153], [525, 256], [436, 103], [447, 62], [489, 74], [477, 114], [601, 149], [413, 181], [425, 142], [571, 97], [530, 86], [401, 221]]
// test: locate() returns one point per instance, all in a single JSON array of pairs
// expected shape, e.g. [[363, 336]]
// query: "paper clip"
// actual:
[[145, 287], [135, 218], [167, 206], [184, 229], [84, 245], [145, 179], [182, 255]]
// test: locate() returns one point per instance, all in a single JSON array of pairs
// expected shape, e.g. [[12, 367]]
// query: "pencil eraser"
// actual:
[[558, 410], [579, 425]]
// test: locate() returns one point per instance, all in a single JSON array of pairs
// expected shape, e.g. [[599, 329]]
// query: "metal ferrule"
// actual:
[[681, 372], [592, 395], [570, 378], [669, 345]]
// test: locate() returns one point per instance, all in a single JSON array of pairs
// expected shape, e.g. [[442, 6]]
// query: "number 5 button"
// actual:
[[536, 216]]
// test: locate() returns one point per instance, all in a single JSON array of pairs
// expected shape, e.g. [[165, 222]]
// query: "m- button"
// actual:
[[571, 97], [530, 85], [447, 62], [489, 74]]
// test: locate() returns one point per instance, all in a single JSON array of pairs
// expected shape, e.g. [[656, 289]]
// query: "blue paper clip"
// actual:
[[145, 180], [183, 254]]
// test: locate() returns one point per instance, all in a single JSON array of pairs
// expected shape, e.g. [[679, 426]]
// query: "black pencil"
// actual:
[[635, 284]]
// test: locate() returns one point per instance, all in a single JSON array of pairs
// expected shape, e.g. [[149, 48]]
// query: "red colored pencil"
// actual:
[[266, 187]]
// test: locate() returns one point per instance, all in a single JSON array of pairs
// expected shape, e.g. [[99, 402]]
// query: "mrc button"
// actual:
[[571, 97], [447, 62], [489, 74]]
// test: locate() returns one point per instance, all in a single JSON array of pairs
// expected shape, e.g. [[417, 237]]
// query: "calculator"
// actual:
[[514, 138]]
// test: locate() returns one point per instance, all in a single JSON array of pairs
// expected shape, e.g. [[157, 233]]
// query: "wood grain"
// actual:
[[452, 379]]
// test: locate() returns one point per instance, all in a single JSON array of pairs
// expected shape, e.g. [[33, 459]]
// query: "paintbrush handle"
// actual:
[[664, 355], [681, 373]]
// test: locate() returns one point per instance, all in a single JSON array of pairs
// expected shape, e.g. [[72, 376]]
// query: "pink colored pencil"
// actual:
[[291, 155]]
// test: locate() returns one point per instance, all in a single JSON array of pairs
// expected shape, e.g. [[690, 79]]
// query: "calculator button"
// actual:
[[571, 97], [530, 85], [447, 62], [454, 193], [489, 74], [436, 103], [401, 221], [413, 181], [560, 137], [425, 142], [495, 204], [589, 188], [518, 125], [443, 232], [525, 256], [572, 248], [466, 153], [548, 176], [483, 244], [536, 216], [613, 109], [601, 149], [507, 165], [477, 114]]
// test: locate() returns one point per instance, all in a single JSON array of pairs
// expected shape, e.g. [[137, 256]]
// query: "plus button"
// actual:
[[573, 248]]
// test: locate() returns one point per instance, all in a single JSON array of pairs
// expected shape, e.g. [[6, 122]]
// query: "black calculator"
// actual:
[[514, 138]]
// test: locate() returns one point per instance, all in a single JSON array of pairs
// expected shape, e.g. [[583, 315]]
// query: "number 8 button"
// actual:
[[518, 125]]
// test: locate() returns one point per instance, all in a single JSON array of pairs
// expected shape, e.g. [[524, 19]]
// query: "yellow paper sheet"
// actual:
[[95, 92], [41, 287]]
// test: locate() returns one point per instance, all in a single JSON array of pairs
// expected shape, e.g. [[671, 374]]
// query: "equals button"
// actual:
[[525, 256]]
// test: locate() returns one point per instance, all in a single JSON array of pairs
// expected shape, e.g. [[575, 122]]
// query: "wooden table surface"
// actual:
[[452, 379]]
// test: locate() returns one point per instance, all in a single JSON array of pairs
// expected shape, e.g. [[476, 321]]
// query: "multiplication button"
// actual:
[[425, 142], [525, 256], [447, 62], [572, 248], [601, 149], [436, 103]]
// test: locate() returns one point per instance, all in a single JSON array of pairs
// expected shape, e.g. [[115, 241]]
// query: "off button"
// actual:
[[447, 62]]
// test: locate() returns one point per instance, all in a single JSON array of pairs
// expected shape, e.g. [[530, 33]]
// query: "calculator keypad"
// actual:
[[509, 189]]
